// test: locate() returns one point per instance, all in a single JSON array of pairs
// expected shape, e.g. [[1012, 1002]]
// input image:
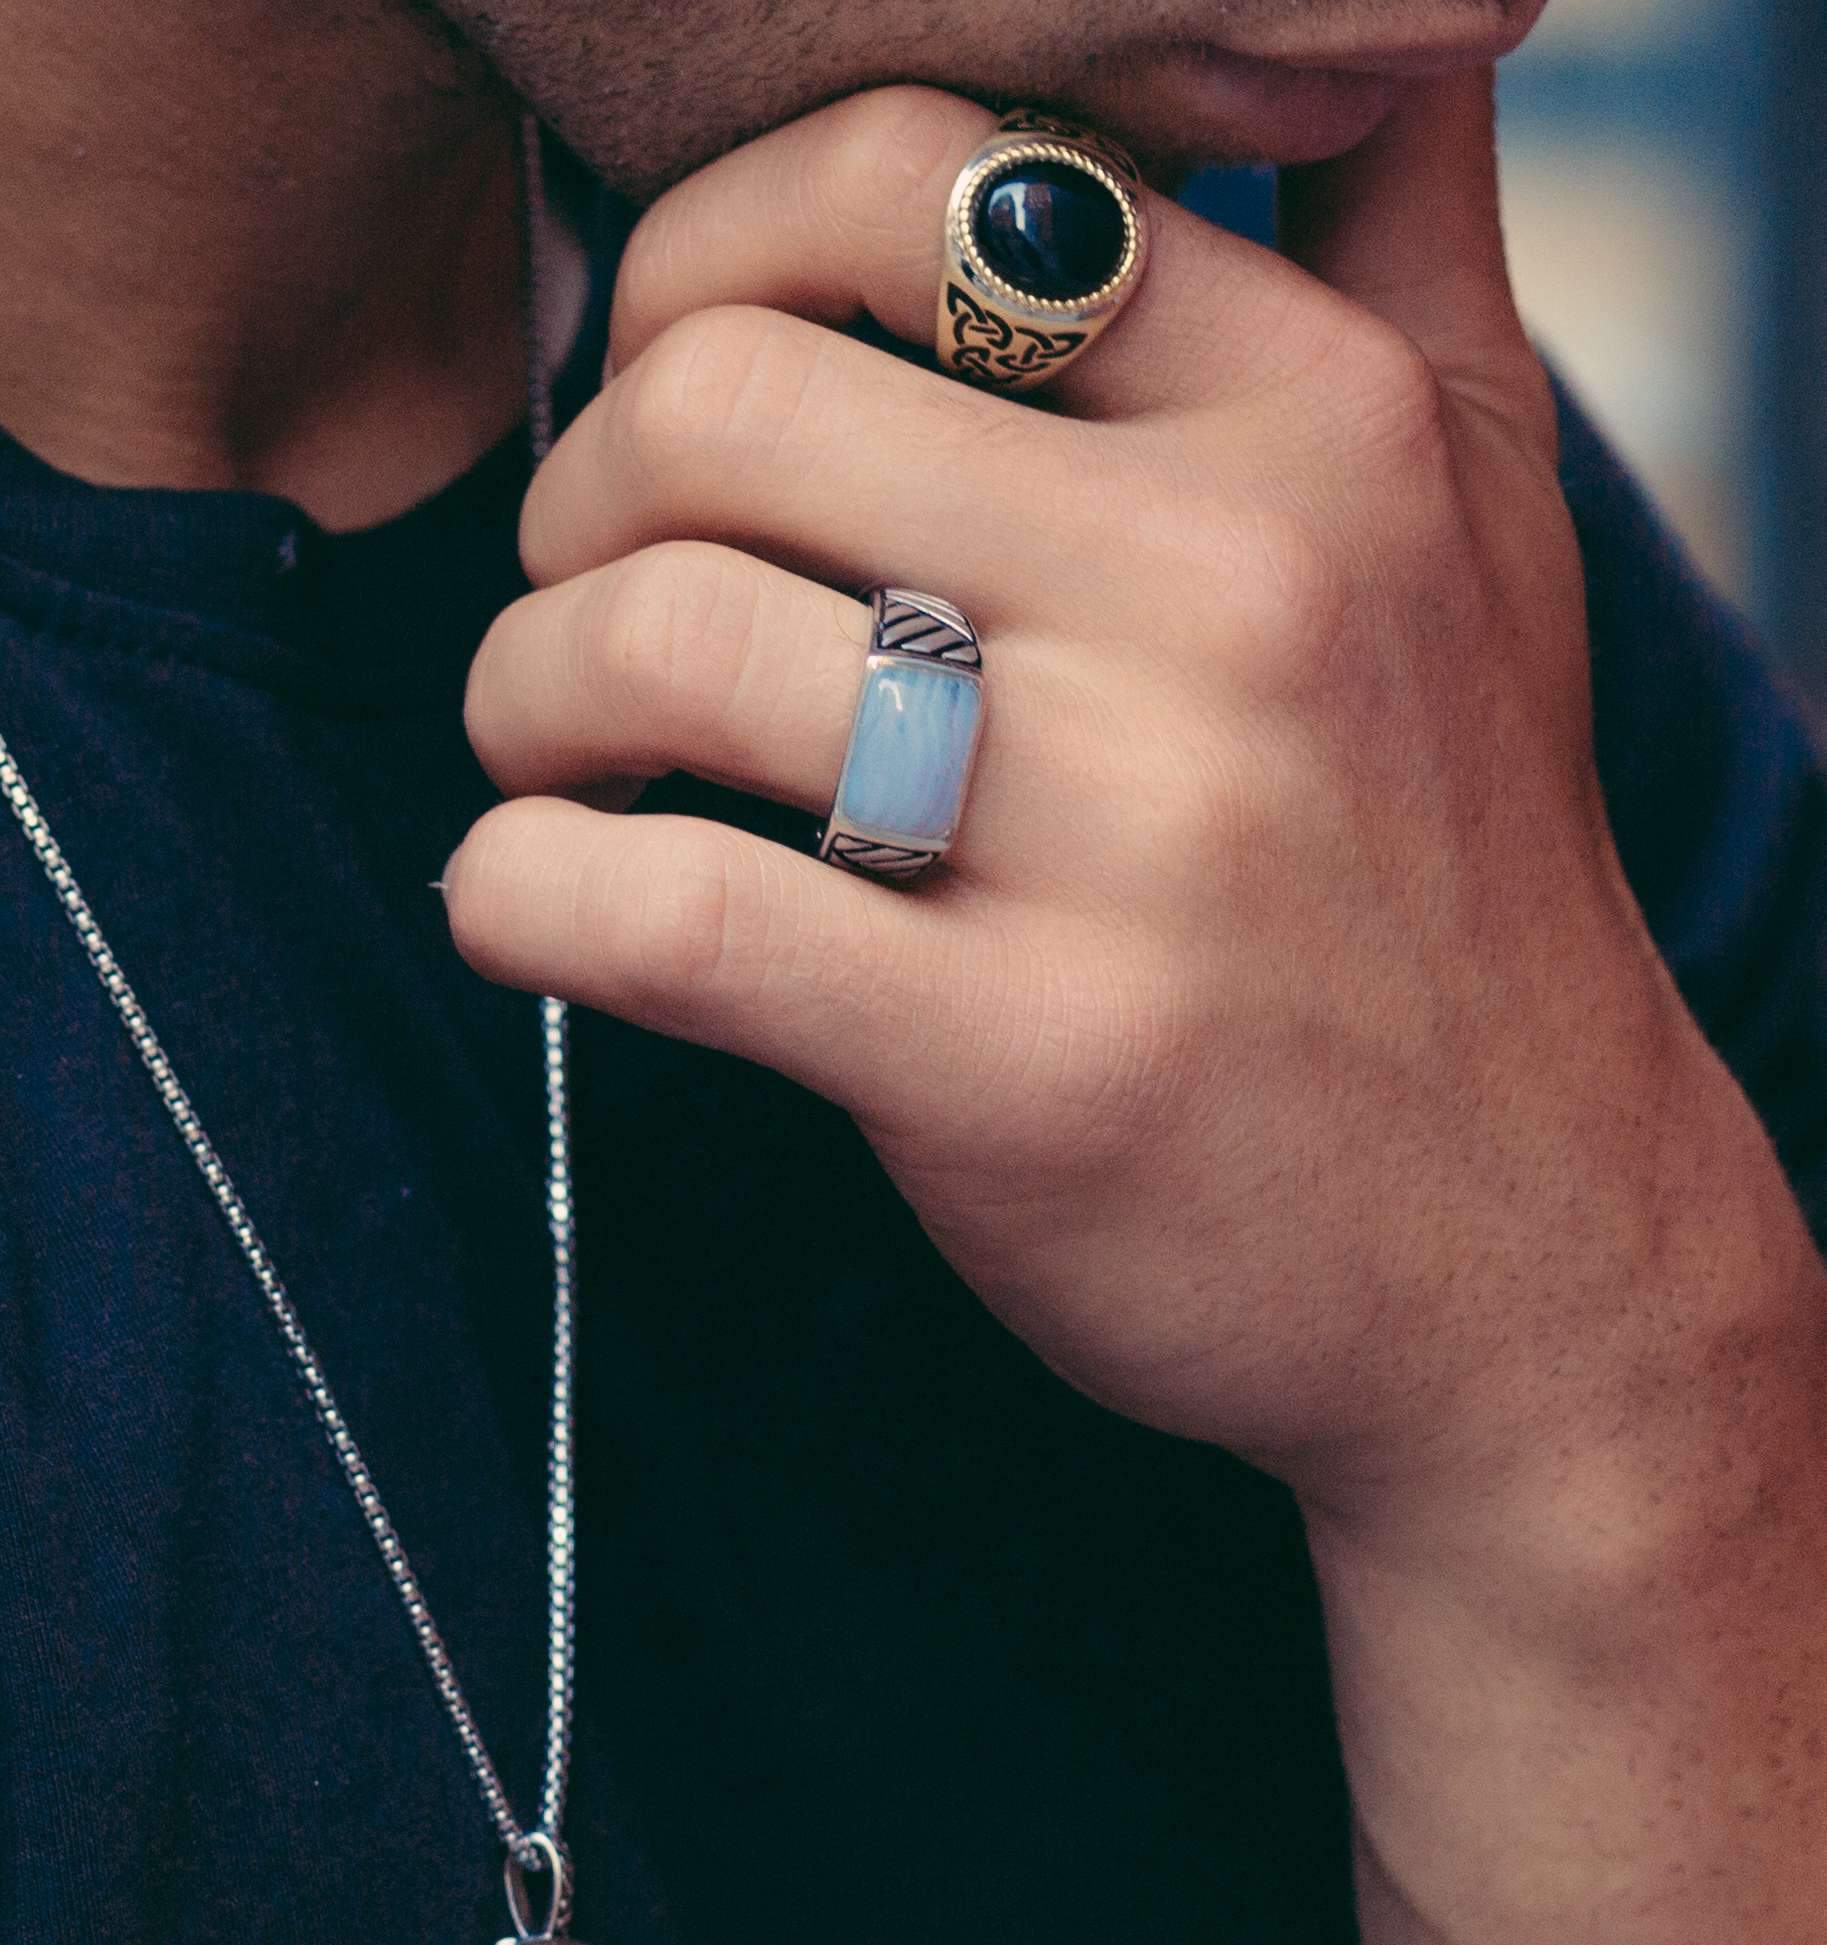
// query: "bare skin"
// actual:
[[269, 244], [649, 90], [244, 251], [1530, 1322]]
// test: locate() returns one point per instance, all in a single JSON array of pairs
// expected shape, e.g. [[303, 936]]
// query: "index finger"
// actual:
[[839, 218], [1409, 226]]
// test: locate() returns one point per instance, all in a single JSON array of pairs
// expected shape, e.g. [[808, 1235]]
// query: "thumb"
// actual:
[[1407, 225]]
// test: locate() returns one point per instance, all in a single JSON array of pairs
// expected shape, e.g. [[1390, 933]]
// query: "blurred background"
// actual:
[[1665, 180], [1666, 207]]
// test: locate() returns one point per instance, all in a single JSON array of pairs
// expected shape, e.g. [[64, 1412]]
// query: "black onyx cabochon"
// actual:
[[1049, 229]]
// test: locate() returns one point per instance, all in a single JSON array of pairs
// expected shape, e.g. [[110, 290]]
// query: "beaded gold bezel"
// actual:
[[997, 160]]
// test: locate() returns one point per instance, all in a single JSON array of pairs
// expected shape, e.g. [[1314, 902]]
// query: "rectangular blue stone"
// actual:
[[910, 752]]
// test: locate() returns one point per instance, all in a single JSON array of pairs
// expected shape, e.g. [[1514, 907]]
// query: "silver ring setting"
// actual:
[[913, 740]]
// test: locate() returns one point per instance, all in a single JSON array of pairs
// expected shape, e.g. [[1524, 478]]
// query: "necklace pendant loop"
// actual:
[[548, 1855]]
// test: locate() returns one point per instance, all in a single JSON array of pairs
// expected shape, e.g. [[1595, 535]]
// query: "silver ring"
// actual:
[[913, 740]]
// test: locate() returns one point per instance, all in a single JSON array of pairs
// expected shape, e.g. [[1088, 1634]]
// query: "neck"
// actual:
[[265, 244]]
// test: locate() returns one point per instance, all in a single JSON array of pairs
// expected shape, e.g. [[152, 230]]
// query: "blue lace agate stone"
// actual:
[[910, 752]]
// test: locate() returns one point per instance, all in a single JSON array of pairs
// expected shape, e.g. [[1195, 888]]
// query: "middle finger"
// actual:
[[763, 432], [840, 215]]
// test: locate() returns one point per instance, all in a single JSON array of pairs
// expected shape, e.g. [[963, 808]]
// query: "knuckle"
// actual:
[[1401, 370], [890, 147], [649, 266], [482, 892], [1199, 811], [492, 674], [1083, 1055], [696, 931], [1205, 816], [1238, 814], [648, 420], [1528, 393], [1399, 396], [710, 389], [1299, 590], [654, 642]]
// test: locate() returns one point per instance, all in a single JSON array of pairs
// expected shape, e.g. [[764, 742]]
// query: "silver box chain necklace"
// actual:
[[540, 1850]]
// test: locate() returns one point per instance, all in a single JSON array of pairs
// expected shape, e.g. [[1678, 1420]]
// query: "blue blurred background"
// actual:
[[1664, 181], [1665, 176]]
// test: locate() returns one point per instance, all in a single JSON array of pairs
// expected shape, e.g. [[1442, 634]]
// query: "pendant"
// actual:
[[556, 1930]]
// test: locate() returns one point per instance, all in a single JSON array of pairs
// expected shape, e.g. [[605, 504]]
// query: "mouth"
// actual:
[[1186, 104]]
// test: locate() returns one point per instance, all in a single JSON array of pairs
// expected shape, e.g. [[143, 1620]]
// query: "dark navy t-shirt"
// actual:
[[885, 1635]]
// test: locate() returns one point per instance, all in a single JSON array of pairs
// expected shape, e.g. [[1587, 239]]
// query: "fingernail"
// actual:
[[448, 876]]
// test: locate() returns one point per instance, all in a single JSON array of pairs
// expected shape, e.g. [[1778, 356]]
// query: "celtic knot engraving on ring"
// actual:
[[994, 351]]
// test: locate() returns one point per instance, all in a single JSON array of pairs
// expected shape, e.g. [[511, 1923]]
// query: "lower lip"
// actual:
[[1209, 106]]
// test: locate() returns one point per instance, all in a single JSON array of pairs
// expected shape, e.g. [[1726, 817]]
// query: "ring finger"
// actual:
[[689, 656]]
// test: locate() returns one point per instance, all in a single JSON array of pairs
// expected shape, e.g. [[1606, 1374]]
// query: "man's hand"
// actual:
[[1281, 1053]]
